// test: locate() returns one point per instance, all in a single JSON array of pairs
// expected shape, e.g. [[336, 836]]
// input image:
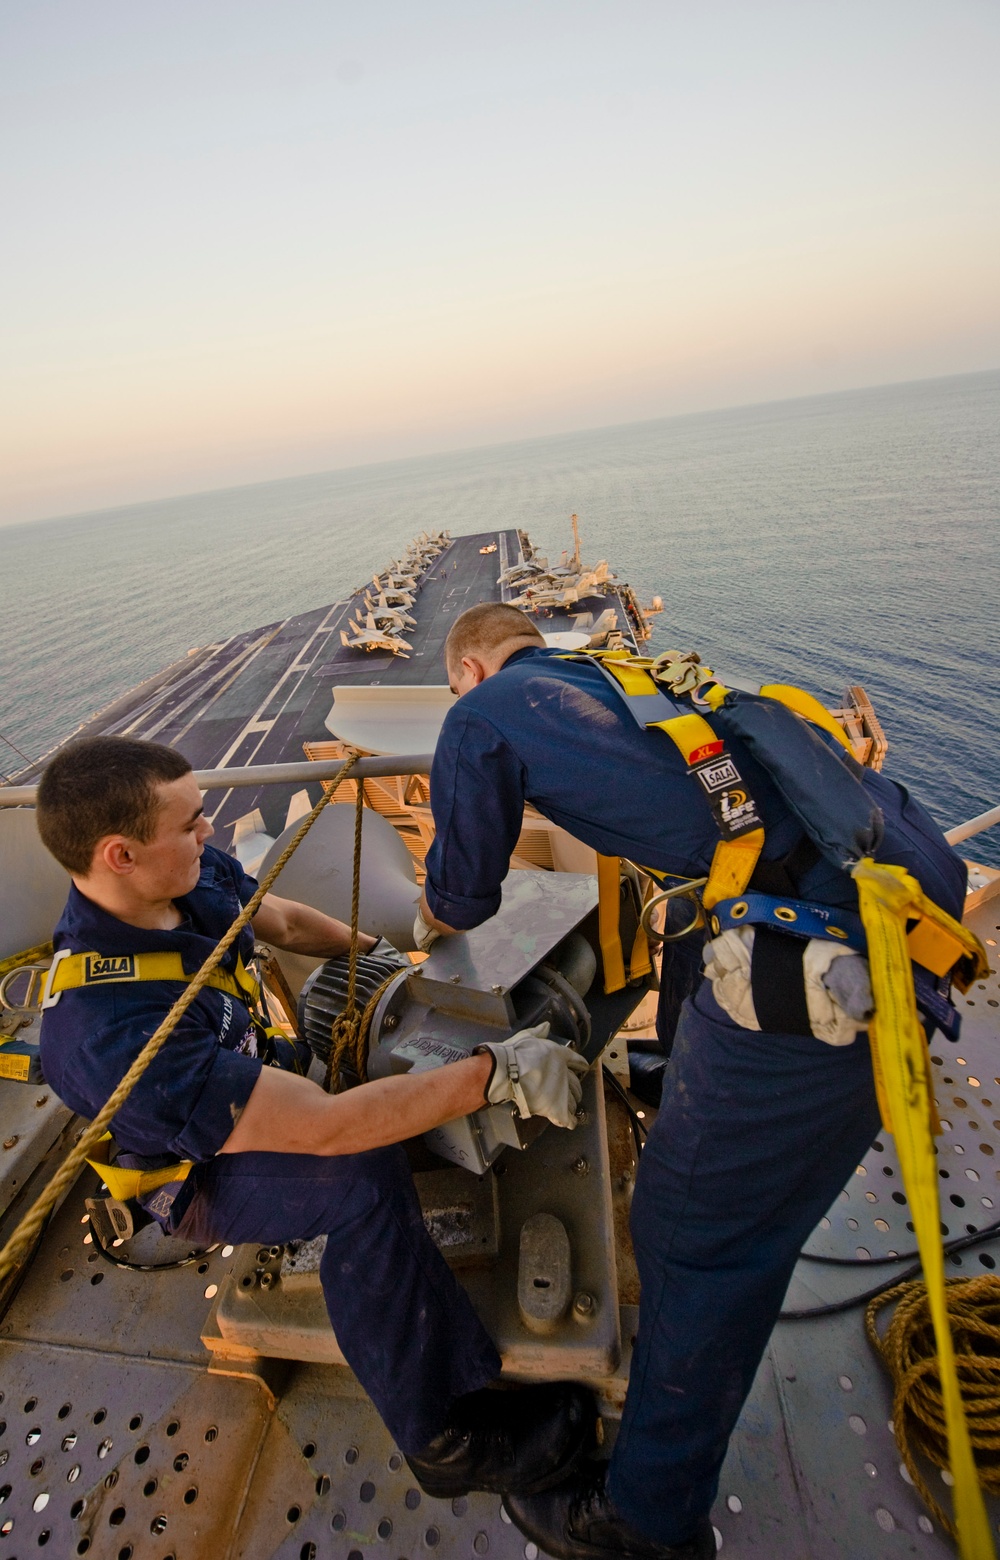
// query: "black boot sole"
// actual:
[[586, 1443]]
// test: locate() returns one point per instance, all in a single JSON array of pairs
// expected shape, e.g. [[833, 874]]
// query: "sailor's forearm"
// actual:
[[394, 1109], [289, 1115], [298, 928]]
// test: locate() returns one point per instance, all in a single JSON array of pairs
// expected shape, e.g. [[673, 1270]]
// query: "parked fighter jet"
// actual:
[[370, 637], [398, 578], [396, 595], [519, 573], [385, 611]]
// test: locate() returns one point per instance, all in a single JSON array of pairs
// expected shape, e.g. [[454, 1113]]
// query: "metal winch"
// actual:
[[537, 960]]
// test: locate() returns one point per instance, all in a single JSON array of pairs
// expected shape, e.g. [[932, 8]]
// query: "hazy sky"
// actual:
[[246, 240]]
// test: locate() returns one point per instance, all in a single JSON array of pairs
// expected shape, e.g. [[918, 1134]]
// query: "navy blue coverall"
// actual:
[[404, 1325], [757, 1132]]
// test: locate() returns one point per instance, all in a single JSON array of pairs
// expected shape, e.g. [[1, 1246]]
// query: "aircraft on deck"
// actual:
[[371, 637], [385, 611]]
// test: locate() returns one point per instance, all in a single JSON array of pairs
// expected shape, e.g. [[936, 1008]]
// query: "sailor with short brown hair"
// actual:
[[759, 1128], [260, 1153]]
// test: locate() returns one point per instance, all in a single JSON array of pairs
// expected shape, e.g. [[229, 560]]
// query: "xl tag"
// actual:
[[733, 808]]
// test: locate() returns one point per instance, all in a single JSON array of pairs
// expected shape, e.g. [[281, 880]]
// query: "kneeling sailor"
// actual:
[[220, 1146]]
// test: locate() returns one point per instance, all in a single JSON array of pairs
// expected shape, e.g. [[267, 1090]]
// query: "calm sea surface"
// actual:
[[843, 538]]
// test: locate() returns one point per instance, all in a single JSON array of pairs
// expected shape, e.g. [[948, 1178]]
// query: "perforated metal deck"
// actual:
[[118, 1443]]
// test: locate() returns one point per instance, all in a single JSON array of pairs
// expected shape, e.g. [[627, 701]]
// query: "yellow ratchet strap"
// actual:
[[128, 1184], [99, 969], [889, 897]]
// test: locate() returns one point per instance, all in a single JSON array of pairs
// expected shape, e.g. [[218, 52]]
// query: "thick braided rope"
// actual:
[[351, 1042], [908, 1351], [31, 1226], [344, 1033]]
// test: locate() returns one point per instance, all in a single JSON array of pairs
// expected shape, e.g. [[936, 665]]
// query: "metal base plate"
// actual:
[[562, 1173]]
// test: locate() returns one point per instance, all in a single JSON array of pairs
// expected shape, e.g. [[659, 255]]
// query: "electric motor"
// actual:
[[324, 995]]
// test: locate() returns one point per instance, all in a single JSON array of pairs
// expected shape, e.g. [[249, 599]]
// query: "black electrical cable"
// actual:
[[988, 1232], [145, 1267], [639, 1128], [900, 1256]]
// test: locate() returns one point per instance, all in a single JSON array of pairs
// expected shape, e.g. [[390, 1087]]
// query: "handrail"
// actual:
[[372, 769], [268, 774], [965, 831]]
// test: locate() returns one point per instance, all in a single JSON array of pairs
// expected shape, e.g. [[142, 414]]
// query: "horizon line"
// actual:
[[471, 449]]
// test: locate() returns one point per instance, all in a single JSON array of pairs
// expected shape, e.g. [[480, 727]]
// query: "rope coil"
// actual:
[[907, 1348], [22, 1241]]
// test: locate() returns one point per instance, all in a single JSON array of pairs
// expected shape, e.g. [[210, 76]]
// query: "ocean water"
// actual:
[[842, 538]]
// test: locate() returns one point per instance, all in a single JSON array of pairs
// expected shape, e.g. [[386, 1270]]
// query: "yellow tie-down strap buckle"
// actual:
[[890, 899], [125, 1185]]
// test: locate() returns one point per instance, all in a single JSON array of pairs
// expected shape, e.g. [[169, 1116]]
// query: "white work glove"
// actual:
[[423, 935], [835, 982], [540, 1076]]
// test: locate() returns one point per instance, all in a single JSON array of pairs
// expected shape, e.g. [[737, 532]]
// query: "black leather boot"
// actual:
[[577, 1521], [646, 1069], [524, 1440]]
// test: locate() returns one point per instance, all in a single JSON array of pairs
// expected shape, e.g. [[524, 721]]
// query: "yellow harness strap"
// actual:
[[127, 1184], [641, 962], [889, 897], [732, 867], [99, 969], [802, 703], [608, 929], [734, 860], [34, 955]]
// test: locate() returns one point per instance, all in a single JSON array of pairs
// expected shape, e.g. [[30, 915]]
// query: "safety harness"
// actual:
[[662, 695], [915, 950], [72, 971]]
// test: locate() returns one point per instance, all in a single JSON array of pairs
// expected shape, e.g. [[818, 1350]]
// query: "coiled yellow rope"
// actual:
[[909, 1352], [22, 1242]]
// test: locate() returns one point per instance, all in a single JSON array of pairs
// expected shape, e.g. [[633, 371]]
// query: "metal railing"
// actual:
[[965, 831], [268, 774], [372, 769]]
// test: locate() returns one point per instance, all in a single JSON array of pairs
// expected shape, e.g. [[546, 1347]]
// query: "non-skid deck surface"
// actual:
[[257, 697], [118, 1444]]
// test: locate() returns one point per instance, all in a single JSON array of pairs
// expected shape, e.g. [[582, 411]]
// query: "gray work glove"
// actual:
[[384, 949], [423, 935], [540, 1076], [849, 984]]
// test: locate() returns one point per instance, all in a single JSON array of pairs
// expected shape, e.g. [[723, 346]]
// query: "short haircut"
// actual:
[[483, 629], [100, 786]]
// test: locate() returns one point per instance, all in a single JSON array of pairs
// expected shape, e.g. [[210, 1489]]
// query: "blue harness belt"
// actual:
[[799, 918]]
